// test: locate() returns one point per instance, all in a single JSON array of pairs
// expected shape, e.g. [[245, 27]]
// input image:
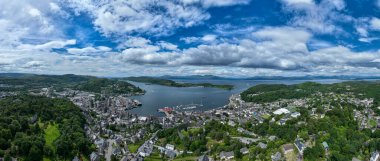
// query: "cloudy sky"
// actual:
[[239, 38]]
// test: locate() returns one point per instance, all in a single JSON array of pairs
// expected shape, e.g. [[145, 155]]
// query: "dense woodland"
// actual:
[[171, 83], [34, 127], [26, 82], [269, 93]]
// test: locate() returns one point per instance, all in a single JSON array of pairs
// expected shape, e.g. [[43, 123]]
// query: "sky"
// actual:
[[233, 38]]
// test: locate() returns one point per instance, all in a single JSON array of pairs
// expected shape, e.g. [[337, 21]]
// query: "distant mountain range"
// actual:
[[213, 77], [205, 77]]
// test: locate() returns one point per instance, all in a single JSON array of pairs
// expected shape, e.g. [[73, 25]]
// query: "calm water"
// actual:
[[161, 96]]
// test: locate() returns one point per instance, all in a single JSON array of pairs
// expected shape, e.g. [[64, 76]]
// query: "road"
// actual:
[[109, 149]]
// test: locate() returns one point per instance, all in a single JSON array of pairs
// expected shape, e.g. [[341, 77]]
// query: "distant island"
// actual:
[[30, 82], [170, 83]]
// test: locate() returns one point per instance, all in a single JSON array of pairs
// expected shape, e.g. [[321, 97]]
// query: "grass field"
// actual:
[[188, 158], [154, 157], [133, 147], [51, 134]]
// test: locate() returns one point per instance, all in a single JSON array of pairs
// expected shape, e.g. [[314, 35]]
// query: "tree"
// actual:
[[35, 154], [238, 154]]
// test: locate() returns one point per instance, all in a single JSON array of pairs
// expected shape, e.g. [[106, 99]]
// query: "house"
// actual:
[[76, 158], [300, 146], [281, 111], [170, 153], [287, 148], [325, 145], [203, 158], [226, 155], [374, 156], [231, 123], [244, 150], [295, 114], [169, 146], [262, 145], [276, 156], [272, 138], [94, 157], [355, 159], [116, 152], [282, 121], [119, 141]]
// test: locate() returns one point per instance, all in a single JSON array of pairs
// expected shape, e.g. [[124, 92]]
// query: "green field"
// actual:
[[133, 147], [154, 157], [188, 158], [51, 134]]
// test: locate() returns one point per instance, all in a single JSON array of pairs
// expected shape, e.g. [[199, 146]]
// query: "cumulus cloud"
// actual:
[[117, 17], [89, 50], [23, 19], [206, 39], [281, 48], [56, 44], [321, 17], [375, 23], [298, 2], [142, 16], [216, 3]]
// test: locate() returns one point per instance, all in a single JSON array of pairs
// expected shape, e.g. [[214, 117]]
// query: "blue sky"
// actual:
[[237, 38]]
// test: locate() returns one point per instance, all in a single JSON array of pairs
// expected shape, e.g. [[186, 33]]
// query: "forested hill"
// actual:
[[171, 83], [24, 82], [34, 127], [273, 92]]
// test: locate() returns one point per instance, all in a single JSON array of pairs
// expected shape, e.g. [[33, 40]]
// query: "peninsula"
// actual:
[[171, 83]]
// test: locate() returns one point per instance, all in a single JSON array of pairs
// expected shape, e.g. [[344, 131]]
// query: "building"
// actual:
[[374, 156], [281, 111], [75, 158], [94, 157], [262, 145], [355, 159], [244, 150], [226, 155], [276, 156], [325, 146], [169, 146], [203, 158], [287, 148], [295, 114], [300, 146], [272, 138], [171, 154]]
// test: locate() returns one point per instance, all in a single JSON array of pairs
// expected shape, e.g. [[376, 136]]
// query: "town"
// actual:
[[276, 130]]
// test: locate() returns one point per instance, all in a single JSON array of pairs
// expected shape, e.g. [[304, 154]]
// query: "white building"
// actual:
[[169, 146], [281, 111]]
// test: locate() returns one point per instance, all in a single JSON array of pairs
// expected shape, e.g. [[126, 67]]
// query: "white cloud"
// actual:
[[167, 45], [321, 17], [89, 50], [368, 39], [141, 16], [134, 42], [375, 23], [215, 3], [189, 40], [56, 44], [23, 19], [277, 48], [297, 2], [118, 17], [209, 38], [362, 31]]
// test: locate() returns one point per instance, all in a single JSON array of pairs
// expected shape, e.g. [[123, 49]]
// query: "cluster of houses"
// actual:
[[101, 114]]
